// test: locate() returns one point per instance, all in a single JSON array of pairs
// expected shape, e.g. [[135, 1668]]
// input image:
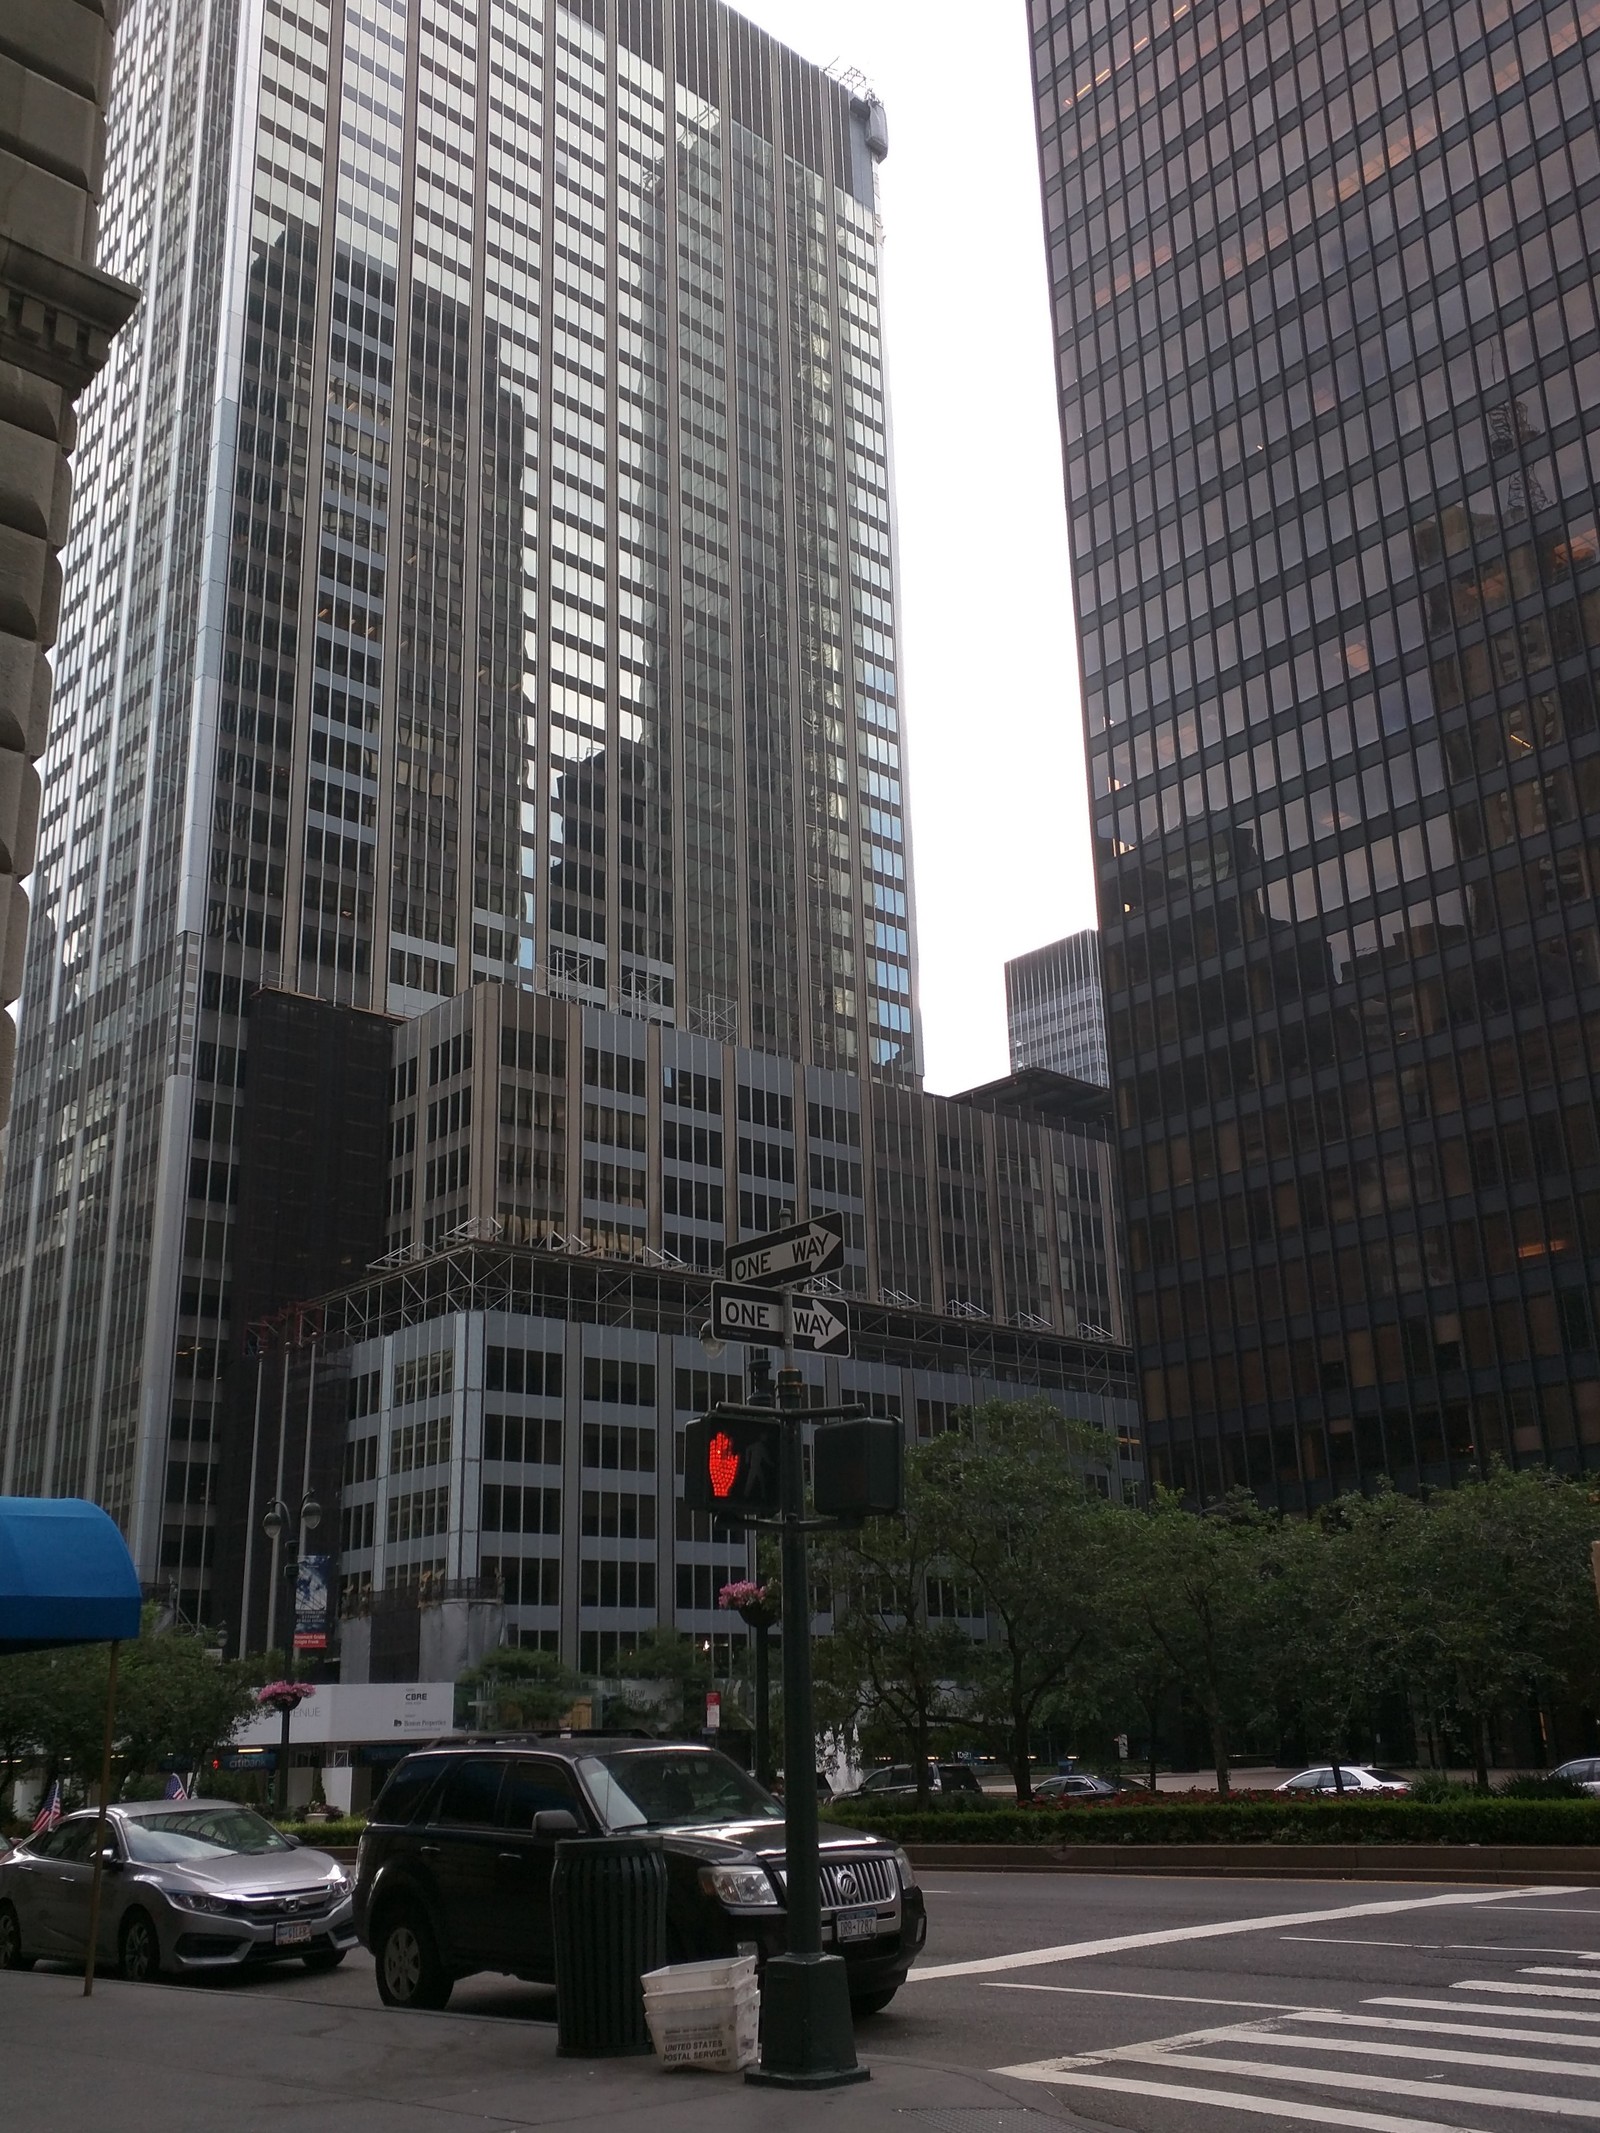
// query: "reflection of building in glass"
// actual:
[[1055, 1011], [482, 570], [1330, 385]]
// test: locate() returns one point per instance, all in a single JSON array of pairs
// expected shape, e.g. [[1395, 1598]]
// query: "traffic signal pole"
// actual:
[[807, 2029]]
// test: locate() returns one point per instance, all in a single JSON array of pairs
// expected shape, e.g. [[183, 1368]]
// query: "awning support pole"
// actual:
[[100, 1826]]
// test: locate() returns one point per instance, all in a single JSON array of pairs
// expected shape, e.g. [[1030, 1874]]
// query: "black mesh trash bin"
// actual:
[[609, 1901]]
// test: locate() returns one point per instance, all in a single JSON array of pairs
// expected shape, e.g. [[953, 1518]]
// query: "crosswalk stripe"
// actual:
[[1319, 2114], [1327, 2078], [1371, 2048], [1540, 1992], [1523, 2014], [1551, 1970], [1445, 2029]]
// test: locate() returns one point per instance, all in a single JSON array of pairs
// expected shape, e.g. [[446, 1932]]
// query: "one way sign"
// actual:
[[767, 1316], [786, 1255]]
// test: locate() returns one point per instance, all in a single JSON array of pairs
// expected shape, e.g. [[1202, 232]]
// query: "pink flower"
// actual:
[[279, 1694], [744, 1593]]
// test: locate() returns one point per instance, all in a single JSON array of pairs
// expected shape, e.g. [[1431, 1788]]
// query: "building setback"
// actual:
[[527, 1121], [514, 1434], [482, 570], [1329, 371], [1055, 1012]]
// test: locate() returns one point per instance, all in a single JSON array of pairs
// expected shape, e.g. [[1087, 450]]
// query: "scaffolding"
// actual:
[[528, 1282]]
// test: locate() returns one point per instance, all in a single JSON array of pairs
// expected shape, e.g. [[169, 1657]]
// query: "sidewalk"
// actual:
[[150, 2059]]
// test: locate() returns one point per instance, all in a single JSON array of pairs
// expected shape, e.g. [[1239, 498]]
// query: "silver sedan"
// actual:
[[202, 1885]]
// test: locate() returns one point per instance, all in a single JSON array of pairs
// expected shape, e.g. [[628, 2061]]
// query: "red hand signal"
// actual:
[[723, 1461]]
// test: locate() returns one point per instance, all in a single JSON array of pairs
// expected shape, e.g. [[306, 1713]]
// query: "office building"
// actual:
[[58, 313], [514, 1434], [1055, 1013], [580, 1138], [1323, 278], [482, 570]]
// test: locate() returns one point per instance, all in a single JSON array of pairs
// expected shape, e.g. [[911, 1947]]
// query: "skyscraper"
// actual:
[[1323, 279], [482, 569], [1055, 1012]]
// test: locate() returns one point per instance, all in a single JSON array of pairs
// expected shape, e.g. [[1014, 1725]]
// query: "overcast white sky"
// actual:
[[995, 775]]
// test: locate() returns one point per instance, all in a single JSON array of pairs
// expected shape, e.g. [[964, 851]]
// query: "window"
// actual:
[[614, 1447], [525, 1370], [508, 1509], [471, 1792], [538, 1788], [619, 1384], [522, 1440]]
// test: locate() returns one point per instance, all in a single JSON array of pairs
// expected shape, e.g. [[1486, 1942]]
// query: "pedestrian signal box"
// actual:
[[733, 1463], [856, 1469]]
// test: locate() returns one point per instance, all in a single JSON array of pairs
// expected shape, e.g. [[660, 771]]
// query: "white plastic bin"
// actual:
[[704, 2015]]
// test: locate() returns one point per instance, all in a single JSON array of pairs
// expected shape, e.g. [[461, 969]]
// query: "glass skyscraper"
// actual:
[[1055, 1013], [1323, 278], [482, 568]]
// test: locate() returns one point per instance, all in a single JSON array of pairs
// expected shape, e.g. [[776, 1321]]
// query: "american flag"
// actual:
[[176, 1788], [49, 1811]]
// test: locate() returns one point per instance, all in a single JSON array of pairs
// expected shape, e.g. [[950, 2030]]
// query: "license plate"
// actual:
[[293, 1932], [855, 1925]]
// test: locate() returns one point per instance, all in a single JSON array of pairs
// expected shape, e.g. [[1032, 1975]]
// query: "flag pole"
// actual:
[[100, 1826]]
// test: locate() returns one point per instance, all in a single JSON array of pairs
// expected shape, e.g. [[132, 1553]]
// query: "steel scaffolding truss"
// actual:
[[474, 1277]]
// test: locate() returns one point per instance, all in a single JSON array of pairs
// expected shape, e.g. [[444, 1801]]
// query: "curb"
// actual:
[[1532, 1863]]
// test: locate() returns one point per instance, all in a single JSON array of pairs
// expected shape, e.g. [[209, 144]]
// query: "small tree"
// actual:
[[516, 1688], [673, 1676], [1201, 1581], [1009, 1508]]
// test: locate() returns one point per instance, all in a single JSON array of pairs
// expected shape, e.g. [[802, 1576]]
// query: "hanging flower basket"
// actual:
[[284, 1695], [756, 1604]]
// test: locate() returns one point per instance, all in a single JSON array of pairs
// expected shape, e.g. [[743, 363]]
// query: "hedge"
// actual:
[[345, 1830], [1246, 1821]]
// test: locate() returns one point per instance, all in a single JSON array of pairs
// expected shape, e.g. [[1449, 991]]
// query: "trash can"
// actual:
[[609, 1903]]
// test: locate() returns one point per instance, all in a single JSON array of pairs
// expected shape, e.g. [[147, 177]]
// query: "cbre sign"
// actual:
[[732, 1463]]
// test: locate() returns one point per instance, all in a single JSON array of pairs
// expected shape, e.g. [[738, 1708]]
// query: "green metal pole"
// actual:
[[807, 2029]]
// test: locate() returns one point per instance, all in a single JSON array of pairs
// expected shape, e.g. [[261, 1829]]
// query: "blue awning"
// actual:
[[66, 1576]]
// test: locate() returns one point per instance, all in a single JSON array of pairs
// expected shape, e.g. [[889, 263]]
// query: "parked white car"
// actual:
[[1356, 1777], [1585, 1772]]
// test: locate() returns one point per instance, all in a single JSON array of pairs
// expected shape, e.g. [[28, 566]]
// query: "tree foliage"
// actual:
[[516, 1689], [1467, 1604]]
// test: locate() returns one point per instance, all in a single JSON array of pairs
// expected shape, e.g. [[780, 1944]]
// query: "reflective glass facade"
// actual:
[[482, 570], [1055, 1012], [1323, 279]]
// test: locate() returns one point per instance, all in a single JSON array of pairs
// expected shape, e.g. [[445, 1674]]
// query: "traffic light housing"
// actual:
[[733, 1463], [856, 1469]]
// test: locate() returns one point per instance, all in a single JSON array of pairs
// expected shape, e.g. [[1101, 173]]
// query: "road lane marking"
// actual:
[[1329, 2078], [1542, 1992], [1523, 2014], [1122, 1943], [1373, 2048], [1170, 1999], [1553, 1970], [1348, 1940], [1236, 2100], [1446, 2029]]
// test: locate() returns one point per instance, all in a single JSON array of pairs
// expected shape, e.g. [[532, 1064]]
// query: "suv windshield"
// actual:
[[194, 1834], [655, 1788]]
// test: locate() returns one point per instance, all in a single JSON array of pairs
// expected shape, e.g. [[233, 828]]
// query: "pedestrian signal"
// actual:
[[732, 1463]]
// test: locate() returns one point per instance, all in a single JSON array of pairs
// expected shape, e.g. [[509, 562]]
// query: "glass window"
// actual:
[[471, 1791], [535, 1786]]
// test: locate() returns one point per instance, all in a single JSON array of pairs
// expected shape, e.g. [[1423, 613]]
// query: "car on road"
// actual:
[[454, 1869], [205, 1886], [1585, 1772], [1357, 1777], [898, 1782], [1073, 1785]]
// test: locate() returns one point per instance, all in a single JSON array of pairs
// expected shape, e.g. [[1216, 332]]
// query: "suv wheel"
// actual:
[[11, 1955], [871, 2003], [410, 1973]]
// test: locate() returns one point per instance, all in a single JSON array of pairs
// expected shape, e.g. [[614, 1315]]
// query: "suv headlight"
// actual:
[[338, 1884], [904, 1868], [745, 1887]]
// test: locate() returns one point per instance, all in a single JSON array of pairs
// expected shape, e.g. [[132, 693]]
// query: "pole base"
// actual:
[[808, 2038]]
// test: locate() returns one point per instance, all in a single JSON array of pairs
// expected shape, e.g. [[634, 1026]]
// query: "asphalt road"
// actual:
[[1162, 2006]]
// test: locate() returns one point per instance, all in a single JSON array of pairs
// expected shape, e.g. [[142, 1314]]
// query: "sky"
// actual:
[[995, 781]]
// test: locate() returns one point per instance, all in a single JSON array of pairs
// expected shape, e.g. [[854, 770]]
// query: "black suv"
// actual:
[[454, 1869], [898, 1784]]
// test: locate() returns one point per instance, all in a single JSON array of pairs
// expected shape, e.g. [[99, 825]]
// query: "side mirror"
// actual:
[[109, 1858], [556, 1822]]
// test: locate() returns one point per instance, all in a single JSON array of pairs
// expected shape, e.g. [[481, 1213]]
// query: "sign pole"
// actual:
[[807, 2030]]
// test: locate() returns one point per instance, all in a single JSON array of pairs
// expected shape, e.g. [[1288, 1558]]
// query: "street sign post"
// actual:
[[784, 1256], [779, 1318]]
